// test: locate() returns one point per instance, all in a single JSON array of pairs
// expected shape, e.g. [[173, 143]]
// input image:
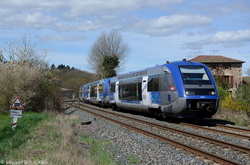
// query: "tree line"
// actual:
[[61, 67], [25, 73]]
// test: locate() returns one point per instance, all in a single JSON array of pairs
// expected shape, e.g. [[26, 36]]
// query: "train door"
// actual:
[[139, 93], [168, 88], [145, 96], [100, 92], [88, 93], [116, 94], [93, 96], [80, 93]]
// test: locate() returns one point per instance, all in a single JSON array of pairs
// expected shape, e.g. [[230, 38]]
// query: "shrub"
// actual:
[[221, 92], [30, 84], [230, 103]]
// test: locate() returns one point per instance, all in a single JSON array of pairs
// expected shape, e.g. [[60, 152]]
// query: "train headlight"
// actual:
[[213, 93], [190, 92]]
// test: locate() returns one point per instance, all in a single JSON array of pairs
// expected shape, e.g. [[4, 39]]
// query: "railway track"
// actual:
[[205, 154], [226, 132], [244, 130]]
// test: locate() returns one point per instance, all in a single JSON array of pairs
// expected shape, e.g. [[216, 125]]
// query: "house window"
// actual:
[[229, 79], [212, 66], [227, 66]]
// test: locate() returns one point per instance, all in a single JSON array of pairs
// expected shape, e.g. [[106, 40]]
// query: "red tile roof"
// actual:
[[215, 59]]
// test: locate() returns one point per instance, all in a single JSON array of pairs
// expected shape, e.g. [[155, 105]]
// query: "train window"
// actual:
[[93, 91], [112, 87], [100, 88], [194, 75], [139, 89], [168, 84], [153, 83], [120, 90], [130, 91]]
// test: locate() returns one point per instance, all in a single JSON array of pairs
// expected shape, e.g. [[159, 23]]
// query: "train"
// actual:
[[182, 89]]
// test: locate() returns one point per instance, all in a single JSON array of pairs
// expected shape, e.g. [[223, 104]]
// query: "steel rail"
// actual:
[[193, 150], [234, 128], [217, 131], [166, 128], [245, 130]]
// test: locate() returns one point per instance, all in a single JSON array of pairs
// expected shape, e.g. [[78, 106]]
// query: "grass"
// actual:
[[12, 139], [52, 141], [97, 152], [133, 160], [45, 138]]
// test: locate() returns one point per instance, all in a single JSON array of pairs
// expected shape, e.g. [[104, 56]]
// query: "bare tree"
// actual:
[[108, 44], [25, 51], [24, 75], [1, 57], [248, 72]]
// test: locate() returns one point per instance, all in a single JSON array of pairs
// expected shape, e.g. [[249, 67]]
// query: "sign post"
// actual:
[[17, 104]]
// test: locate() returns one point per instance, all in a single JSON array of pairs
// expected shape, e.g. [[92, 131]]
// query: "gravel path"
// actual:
[[148, 150]]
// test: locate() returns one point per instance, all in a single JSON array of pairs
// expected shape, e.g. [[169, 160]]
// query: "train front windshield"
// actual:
[[194, 75]]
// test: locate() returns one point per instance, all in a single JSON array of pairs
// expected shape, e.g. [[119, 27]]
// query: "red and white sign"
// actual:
[[17, 104]]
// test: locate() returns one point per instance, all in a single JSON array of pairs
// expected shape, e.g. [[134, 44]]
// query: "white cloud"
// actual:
[[68, 15], [167, 25], [34, 20], [181, 20], [60, 38], [226, 38], [231, 36]]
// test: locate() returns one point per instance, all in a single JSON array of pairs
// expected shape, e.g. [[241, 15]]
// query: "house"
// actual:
[[230, 70], [67, 93]]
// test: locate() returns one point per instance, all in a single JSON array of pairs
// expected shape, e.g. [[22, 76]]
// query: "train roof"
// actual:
[[177, 63], [98, 81]]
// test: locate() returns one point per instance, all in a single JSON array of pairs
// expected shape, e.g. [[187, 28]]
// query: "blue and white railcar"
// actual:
[[81, 93], [85, 93], [178, 89], [98, 92]]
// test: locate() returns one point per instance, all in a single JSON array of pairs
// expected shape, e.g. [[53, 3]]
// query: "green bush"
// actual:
[[230, 103], [221, 92]]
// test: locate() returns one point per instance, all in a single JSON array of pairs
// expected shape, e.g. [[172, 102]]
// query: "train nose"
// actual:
[[205, 106]]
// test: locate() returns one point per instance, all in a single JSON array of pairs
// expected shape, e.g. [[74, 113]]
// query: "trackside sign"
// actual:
[[17, 104], [16, 113]]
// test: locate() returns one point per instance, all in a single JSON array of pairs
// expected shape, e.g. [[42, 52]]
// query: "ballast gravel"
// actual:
[[126, 145]]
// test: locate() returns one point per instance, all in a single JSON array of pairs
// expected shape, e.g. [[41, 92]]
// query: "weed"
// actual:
[[133, 159], [97, 151]]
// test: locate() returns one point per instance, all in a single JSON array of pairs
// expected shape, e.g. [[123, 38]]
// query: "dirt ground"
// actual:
[[239, 117]]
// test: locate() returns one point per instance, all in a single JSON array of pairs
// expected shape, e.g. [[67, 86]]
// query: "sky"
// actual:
[[156, 31]]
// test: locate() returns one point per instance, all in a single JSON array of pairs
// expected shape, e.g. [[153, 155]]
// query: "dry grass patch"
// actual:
[[52, 142], [239, 117]]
